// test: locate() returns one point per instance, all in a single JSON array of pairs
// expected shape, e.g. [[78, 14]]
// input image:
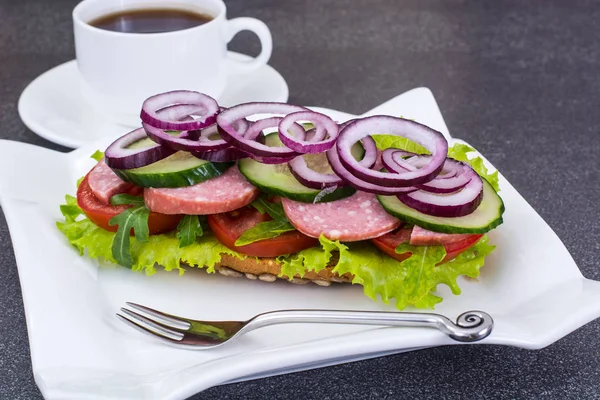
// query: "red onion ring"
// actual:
[[166, 110], [454, 175], [204, 134], [256, 128], [316, 134], [342, 172], [431, 139], [224, 155], [311, 178], [271, 160], [457, 204], [393, 160], [181, 112], [345, 124], [370, 157], [328, 129], [256, 150], [316, 180], [182, 141], [118, 156], [414, 161], [241, 125]]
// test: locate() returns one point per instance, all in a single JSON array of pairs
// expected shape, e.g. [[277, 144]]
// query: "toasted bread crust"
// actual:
[[260, 267]]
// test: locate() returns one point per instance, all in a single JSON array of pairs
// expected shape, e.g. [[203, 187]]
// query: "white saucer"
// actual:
[[53, 108]]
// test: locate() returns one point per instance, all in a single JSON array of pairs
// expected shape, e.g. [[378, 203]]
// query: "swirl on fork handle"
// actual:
[[470, 326]]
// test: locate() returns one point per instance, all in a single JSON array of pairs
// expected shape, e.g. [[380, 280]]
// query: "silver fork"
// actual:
[[470, 326]]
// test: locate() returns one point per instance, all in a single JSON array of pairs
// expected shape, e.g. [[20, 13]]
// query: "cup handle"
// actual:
[[261, 30]]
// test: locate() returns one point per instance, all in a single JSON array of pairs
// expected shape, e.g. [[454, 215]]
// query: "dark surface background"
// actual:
[[519, 80]]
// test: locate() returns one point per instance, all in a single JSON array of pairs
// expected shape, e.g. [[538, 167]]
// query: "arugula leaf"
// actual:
[[258, 205], [267, 229], [119, 199], [264, 230], [275, 210], [98, 155], [459, 152], [188, 230], [135, 218]]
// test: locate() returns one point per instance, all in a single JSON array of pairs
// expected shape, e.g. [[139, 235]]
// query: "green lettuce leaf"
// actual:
[[98, 155], [312, 259], [420, 270], [188, 230], [384, 141], [410, 282], [84, 235], [161, 250], [264, 230], [70, 210], [467, 263], [459, 152]]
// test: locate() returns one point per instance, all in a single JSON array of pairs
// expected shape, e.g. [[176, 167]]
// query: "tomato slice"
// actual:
[[100, 213], [388, 243], [454, 249], [228, 227]]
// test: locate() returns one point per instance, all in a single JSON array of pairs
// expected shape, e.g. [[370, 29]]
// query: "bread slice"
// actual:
[[268, 270]]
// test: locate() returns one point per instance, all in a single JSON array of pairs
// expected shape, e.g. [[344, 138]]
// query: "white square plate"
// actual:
[[530, 285]]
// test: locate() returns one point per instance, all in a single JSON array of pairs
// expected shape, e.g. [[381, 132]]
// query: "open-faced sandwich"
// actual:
[[379, 201]]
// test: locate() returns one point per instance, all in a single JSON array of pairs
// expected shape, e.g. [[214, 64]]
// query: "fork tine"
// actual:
[[164, 330], [174, 321], [145, 330]]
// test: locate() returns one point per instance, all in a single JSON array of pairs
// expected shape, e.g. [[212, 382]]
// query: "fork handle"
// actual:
[[470, 326]]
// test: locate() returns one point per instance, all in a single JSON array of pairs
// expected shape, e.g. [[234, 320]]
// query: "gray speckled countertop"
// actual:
[[517, 79]]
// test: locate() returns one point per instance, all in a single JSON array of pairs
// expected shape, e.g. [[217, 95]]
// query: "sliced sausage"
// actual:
[[358, 217], [423, 237], [221, 194], [104, 183]]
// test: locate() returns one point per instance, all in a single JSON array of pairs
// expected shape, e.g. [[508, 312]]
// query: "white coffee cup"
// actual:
[[120, 70]]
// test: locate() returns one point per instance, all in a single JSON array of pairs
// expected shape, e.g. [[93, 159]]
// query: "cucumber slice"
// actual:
[[177, 170], [142, 143], [485, 218], [277, 179]]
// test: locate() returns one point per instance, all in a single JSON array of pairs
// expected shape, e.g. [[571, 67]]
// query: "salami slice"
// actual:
[[423, 237], [104, 183], [358, 217], [221, 194]]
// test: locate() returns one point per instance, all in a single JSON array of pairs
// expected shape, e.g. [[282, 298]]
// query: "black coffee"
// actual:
[[150, 20]]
